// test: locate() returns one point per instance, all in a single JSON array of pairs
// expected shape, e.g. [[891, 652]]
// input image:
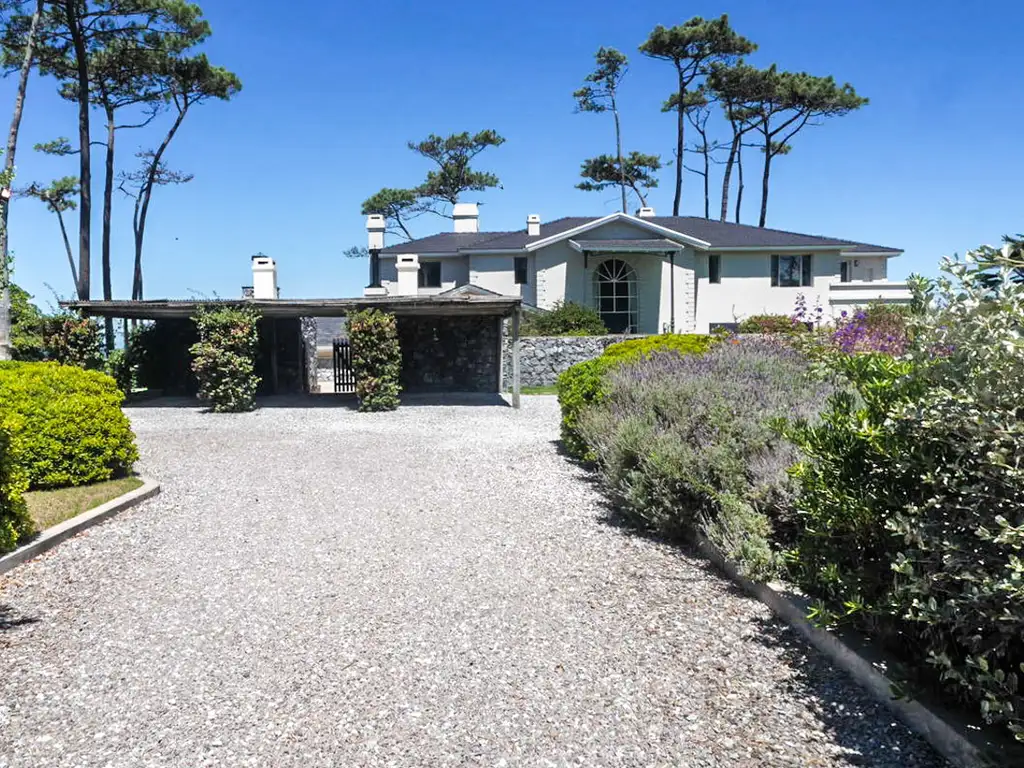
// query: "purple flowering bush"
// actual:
[[686, 443], [876, 328]]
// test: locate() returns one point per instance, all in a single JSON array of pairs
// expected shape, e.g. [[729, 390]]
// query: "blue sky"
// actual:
[[332, 92]]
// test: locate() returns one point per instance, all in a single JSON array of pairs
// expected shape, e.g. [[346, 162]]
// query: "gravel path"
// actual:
[[435, 586]]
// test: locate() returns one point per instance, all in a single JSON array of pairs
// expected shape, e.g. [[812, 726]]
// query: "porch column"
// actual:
[[515, 357]]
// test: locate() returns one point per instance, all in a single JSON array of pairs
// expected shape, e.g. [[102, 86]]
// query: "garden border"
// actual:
[[51, 537], [945, 738]]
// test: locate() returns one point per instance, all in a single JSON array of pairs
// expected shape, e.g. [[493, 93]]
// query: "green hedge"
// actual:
[[376, 359], [14, 520], [66, 423], [583, 384], [224, 358], [568, 319]]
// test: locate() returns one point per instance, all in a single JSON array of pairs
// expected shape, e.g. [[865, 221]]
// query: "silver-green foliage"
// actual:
[[686, 443]]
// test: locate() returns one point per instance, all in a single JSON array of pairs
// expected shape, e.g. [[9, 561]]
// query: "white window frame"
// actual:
[[631, 283], [805, 270]]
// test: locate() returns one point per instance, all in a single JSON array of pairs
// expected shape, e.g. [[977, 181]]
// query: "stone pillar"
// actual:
[[307, 326]]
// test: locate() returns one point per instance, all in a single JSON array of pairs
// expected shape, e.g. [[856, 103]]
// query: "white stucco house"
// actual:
[[643, 273]]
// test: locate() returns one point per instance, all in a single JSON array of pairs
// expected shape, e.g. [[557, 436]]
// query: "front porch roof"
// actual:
[[641, 245]]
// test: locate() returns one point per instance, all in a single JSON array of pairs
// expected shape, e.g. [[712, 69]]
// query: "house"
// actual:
[[643, 273]]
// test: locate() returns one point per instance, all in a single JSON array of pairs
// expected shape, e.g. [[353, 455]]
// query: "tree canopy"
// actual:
[[693, 48]]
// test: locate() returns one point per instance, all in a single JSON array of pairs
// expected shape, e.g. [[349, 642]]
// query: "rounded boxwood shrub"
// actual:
[[66, 424], [579, 387], [14, 520], [376, 359]]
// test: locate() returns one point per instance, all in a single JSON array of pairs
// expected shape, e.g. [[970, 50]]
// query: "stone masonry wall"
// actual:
[[453, 354], [542, 358]]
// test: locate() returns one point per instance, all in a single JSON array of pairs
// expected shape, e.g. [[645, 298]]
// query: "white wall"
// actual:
[[496, 272], [746, 288], [454, 272], [561, 277], [867, 268]]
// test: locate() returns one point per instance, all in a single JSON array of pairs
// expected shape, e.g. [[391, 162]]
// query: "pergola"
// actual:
[[400, 306]]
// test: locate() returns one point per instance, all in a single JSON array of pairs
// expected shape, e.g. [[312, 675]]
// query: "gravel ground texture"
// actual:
[[435, 586]]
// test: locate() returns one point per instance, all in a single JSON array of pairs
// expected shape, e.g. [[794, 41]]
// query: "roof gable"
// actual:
[[617, 225]]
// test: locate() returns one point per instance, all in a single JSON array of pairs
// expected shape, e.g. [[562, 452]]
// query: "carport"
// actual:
[[449, 343]]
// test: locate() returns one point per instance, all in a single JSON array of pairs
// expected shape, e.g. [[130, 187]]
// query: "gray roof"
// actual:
[[718, 233]]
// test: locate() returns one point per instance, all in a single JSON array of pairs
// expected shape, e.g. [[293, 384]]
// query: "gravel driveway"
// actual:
[[436, 586]]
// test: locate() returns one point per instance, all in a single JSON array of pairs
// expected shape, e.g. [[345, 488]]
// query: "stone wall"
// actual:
[[308, 329], [452, 354], [542, 358]]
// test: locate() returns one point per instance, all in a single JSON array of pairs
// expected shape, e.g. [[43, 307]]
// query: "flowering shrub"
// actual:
[[769, 324], [911, 501], [876, 328], [685, 443], [583, 384], [376, 359], [224, 358], [73, 340]]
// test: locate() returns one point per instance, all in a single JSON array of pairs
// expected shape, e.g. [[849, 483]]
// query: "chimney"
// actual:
[[533, 225], [264, 277], [408, 267], [646, 213], [467, 217], [375, 231]]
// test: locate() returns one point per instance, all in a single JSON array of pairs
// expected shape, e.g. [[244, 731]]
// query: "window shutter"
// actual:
[[775, 270], [805, 271]]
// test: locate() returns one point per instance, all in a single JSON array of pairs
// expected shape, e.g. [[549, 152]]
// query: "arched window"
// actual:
[[615, 295]]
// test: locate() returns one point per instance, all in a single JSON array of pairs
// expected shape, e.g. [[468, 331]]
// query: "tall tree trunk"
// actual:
[[739, 179], [146, 193], [619, 154], [727, 176], [764, 184], [71, 8], [707, 179], [67, 245], [12, 148], [680, 145], [108, 201]]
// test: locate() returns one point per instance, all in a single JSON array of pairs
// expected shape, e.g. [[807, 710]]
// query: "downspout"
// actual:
[[672, 291]]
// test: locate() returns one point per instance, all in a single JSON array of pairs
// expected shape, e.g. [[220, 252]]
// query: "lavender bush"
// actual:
[[878, 328], [687, 443]]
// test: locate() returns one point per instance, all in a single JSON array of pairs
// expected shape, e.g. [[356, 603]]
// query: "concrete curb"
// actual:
[[946, 739], [51, 537]]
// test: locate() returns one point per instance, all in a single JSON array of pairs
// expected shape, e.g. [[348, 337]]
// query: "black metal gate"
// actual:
[[344, 376]]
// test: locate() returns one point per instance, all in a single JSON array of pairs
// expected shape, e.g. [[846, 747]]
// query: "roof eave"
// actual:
[[887, 252]]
